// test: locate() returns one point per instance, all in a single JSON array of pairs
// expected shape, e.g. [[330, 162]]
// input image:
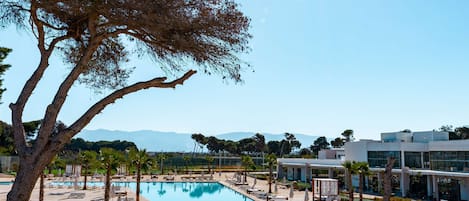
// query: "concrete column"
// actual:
[[308, 173], [403, 175], [380, 182], [330, 172], [429, 186], [280, 173], [402, 182], [402, 160], [436, 196], [421, 160]]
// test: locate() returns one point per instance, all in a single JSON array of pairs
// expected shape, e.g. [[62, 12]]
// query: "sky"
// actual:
[[318, 67]]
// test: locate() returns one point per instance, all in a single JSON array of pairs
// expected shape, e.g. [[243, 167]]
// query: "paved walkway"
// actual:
[[69, 194]]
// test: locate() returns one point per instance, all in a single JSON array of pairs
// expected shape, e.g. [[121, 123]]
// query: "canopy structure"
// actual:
[[325, 189]]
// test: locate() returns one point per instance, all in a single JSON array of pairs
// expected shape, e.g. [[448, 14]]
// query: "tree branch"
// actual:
[[53, 27], [39, 27], [57, 40], [19, 135], [53, 109], [18, 107], [111, 98]]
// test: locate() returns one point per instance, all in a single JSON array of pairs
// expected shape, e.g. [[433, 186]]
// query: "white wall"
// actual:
[[465, 189], [453, 145], [356, 151]]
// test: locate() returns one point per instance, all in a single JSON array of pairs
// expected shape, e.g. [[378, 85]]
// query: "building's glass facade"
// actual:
[[453, 161], [379, 158], [413, 159]]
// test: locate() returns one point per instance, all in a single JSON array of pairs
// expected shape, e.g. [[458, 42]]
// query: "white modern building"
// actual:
[[428, 164]]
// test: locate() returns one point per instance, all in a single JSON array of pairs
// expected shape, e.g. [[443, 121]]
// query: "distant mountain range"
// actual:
[[175, 142]]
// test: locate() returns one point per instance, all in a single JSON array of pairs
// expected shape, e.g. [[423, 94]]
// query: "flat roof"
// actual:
[[439, 173], [394, 170], [315, 165]]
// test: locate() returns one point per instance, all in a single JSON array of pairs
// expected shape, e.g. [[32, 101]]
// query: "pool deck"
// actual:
[[53, 193]]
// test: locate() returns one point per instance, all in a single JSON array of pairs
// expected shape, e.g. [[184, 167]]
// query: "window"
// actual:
[[413, 159], [379, 158], [454, 161]]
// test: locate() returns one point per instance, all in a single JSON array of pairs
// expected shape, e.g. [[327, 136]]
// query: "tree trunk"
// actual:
[[25, 180], [137, 194], [108, 184], [86, 174], [245, 175], [361, 186], [388, 179], [350, 187], [162, 170], [41, 187], [270, 179]]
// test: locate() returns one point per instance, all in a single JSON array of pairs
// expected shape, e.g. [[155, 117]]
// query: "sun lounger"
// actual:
[[260, 194], [76, 196], [125, 199], [240, 183], [169, 178], [59, 193], [251, 190], [278, 197], [118, 192]]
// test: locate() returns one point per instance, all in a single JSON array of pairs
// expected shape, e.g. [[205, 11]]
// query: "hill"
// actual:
[[174, 142]]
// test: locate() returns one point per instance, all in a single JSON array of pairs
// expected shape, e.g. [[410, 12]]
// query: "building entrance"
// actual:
[[449, 189]]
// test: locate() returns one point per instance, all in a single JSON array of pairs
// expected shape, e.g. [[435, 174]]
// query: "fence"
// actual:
[[9, 163]]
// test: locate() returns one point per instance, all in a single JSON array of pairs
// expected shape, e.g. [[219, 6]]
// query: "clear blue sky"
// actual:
[[320, 67]]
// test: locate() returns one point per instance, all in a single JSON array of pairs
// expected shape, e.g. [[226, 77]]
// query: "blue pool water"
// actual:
[[179, 191]]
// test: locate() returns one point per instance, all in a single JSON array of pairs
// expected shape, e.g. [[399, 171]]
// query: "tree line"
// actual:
[[458, 133], [75, 145], [247, 146]]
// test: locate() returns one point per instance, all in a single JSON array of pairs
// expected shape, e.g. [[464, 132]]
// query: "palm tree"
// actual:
[[162, 157], [142, 162], [209, 163], [246, 162], [41, 186], [110, 159], [41, 178], [362, 169], [186, 160], [87, 159], [388, 178], [349, 170], [271, 161]]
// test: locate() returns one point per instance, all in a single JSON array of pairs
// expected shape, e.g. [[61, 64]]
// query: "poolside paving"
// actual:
[[69, 194]]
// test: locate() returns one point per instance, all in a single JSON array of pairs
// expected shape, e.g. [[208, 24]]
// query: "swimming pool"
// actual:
[[6, 182], [179, 191]]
